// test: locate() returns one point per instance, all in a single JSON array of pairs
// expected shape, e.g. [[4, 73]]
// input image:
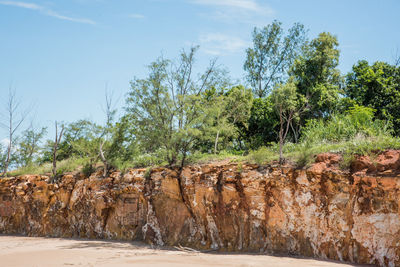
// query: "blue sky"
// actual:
[[59, 54]]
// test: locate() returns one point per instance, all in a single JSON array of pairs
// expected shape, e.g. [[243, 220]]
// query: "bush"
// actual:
[[88, 169], [263, 154], [358, 120]]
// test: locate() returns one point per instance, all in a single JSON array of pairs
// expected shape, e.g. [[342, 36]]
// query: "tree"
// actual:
[[223, 112], [166, 106], [14, 120], [317, 79], [55, 147], [262, 125], [123, 144], [268, 61], [289, 105], [85, 143], [106, 132], [28, 145], [376, 86], [316, 74]]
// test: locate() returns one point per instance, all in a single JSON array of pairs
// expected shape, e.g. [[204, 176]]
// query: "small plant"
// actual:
[[147, 173], [347, 159], [239, 167], [305, 155], [88, 169], [263, 155]]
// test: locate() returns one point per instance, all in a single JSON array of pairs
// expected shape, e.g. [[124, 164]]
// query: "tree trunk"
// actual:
[[55, 147], [9, 147], [281, 145], [103, 159], [216, 143], [54, 160], [7, 162]]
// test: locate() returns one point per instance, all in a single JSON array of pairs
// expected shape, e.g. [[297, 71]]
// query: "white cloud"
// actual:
[[220, 44], [242, 4], [136, 16], [46, 11], [245, 11]]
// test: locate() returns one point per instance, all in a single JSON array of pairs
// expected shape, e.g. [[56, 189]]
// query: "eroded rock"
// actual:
[[320, 212]]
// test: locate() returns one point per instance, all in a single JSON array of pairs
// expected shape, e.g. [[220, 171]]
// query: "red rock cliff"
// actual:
[[320, 212]]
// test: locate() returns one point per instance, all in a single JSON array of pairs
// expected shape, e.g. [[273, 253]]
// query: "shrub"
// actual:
[[263, 154], [88, 169], [358, 120]]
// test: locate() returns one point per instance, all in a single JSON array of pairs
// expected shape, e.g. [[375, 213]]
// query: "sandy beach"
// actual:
[[37, 251]]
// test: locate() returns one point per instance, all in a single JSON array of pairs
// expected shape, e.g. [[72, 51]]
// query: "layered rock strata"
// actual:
[[320, 212]]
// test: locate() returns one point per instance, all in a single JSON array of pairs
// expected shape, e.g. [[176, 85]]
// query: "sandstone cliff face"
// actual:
[[319, 212]]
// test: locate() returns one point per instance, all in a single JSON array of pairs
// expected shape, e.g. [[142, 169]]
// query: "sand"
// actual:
[[37, 251]]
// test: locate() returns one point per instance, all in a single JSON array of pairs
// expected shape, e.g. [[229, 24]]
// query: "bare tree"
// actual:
[[110, 113], [14, 119], [396, 58], [55, 147]]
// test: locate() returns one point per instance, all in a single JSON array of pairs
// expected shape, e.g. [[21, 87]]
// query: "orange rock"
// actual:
[[319, 212], [362, 163], [328, 158]]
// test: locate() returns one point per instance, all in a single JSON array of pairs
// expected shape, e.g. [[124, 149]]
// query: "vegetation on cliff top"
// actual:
[[297, 105]]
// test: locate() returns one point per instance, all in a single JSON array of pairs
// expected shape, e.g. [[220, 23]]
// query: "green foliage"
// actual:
[[122, 147], [88, 169], [271, 56], [263, 155], [66, 165], [71, 164], [352, 133], [203, 158], [289, 105], [80, 139], [147, 173], [166, 107], [32, 169], [376, 86], [317, 76], [262, 125], [239, 167], [28, 146], [222, 112], [298, 106], [341, 127], [285, 99]]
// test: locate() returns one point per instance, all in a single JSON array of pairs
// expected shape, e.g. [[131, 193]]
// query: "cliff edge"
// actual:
[[321, 212]]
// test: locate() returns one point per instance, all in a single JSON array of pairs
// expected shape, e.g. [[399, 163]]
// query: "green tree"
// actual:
[[262, 126], [28, 145], [318, 79], [223, 112], [317, 76], [356, 121], [80, 139], [273, 52], [166, 106], [123, 145], [376, 86], [289, 105]]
